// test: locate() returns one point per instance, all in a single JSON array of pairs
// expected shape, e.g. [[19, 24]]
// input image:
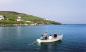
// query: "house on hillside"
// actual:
[[28, 21], [33, 24], [1, 17], [18, 18]]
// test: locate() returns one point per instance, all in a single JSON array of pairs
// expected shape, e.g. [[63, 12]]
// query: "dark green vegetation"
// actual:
[[10, 18]]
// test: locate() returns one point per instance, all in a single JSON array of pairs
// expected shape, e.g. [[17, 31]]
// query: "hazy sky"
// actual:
[[65, 11]]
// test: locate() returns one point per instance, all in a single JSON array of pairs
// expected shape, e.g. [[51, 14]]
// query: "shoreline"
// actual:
[[4, 25]]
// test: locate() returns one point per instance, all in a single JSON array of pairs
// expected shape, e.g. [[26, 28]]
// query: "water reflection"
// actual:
[[18, 28], [48, 47]]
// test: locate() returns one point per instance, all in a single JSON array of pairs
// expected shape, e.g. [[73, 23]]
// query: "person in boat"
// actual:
[[42, 37], [55, 36], [50, 37], [45, 35]]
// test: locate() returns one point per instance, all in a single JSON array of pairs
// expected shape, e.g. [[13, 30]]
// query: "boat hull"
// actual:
[[59, 37]]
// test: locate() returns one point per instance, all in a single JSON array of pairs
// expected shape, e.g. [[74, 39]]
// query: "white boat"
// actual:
[[59, 37]]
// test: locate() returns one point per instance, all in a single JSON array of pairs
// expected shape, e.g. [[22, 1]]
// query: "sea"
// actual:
[[23, 38]]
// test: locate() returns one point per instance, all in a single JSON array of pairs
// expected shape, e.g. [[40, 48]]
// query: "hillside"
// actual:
[[11, 16]]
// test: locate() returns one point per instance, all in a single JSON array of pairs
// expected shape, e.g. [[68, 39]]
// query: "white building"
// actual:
[[27, 21], [19, 18], [1, 17], [34, 24]]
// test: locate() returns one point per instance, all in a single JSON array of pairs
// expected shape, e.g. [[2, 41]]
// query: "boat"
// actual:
[[59, 37]]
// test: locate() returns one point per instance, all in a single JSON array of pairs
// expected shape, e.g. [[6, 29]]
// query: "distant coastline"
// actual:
[[17, 19]]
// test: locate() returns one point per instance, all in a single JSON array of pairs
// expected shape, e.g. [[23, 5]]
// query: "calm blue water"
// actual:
[[21, 38]]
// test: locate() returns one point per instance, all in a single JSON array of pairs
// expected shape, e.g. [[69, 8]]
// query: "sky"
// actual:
[[64, 11]]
